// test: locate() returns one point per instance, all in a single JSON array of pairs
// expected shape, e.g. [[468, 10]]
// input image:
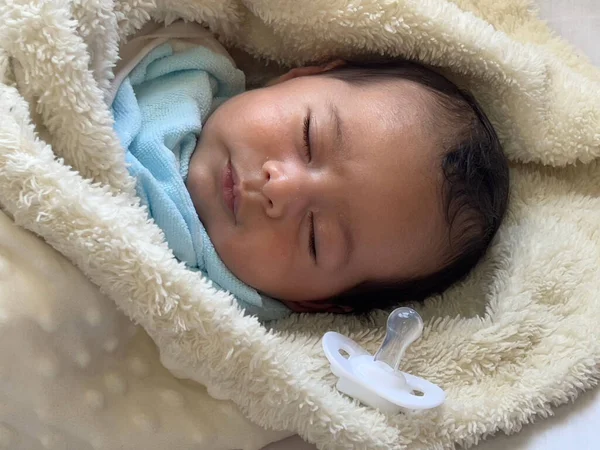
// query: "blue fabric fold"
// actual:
[[159, 110]]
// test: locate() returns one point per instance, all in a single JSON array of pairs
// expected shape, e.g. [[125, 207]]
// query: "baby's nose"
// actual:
[[285, 189]]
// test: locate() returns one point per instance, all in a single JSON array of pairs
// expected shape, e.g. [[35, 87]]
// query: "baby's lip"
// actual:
[[228, 190], [234, 175]]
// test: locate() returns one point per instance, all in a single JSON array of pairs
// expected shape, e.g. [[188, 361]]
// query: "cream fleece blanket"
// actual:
[[76, 374], [514, 339]]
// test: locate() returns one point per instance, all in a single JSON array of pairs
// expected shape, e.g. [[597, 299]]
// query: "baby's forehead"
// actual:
[[399, 101], [394, 182], [400, 212], [405, 107]]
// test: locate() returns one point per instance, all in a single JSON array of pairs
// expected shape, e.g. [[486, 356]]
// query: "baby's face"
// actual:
[[313, 185]]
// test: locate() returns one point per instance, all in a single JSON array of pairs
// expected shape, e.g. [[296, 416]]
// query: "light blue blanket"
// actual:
[[159, 110]]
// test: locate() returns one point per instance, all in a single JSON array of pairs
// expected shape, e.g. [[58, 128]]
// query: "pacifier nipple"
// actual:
[[376, 381], [404, 326]]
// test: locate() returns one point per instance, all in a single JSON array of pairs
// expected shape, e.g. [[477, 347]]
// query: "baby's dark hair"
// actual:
[[475, 183]]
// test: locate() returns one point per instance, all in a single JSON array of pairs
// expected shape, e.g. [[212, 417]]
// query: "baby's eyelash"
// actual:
[[311, 236], [307, 137]]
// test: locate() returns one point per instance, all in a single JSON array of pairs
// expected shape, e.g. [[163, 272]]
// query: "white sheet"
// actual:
[[574, 426]]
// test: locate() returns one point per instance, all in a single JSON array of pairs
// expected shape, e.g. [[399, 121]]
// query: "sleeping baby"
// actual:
[[342, 187]]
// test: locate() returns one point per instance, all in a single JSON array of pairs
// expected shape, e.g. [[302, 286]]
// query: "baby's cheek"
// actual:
[[258, 259], [259, 123]]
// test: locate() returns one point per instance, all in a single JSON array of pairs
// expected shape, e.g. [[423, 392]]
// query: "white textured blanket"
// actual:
[[75, 374], [518, 336]]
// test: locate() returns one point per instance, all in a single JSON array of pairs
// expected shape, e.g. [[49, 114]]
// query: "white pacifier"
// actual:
[[375, 380]]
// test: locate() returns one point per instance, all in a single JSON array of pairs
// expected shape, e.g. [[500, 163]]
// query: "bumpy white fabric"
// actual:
[[75, 373], [518, 336]]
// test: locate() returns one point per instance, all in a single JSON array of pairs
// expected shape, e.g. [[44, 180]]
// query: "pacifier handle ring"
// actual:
[[432, 396], [334, 342]]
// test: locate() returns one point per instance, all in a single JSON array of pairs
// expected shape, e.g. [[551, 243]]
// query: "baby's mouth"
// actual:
[[228, 189]]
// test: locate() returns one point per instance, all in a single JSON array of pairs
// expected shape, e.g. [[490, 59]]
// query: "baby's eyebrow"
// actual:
[[338, 127], [348, 241], [339, 147]]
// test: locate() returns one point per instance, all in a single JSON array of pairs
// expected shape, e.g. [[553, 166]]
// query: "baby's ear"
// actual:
[[305, 71], [317, 306]]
